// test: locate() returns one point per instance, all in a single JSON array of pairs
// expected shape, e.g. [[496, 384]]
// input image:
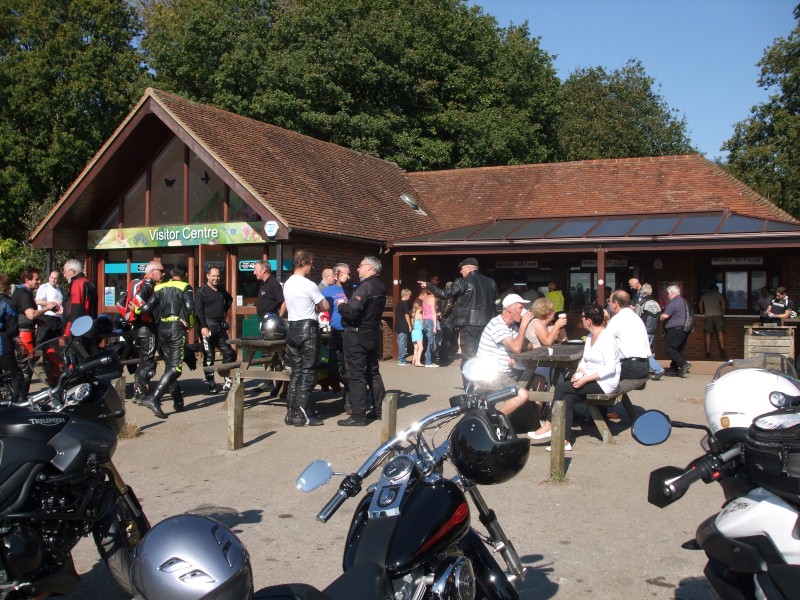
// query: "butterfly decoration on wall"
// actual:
[[169, 182], [205, 178]]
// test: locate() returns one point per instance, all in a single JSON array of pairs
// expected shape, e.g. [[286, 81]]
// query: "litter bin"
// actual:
[[774, 340]]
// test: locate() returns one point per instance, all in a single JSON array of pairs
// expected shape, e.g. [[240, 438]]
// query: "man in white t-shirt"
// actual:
[[500, 339], [627, 328], [303, 302], [51, 323]]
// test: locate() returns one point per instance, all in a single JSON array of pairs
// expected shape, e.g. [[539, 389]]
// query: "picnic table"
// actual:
[[563, 359]]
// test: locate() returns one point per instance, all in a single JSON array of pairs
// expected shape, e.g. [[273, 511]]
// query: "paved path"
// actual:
[[592, 536]]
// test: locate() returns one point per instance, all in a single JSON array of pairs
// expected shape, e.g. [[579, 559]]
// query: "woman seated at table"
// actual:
[[542, 331], [597, 373]]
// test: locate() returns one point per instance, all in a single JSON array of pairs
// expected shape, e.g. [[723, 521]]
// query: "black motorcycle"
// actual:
[[410, 536], [57, 481]]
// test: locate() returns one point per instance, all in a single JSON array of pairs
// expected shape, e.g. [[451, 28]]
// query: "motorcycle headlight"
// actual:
[[779, 400], [464, 581], [77, 394]]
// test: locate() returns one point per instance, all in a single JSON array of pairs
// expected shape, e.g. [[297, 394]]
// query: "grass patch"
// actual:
[[559, 477], [130, 430]]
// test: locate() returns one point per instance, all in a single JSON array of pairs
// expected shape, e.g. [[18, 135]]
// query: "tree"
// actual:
[[617, 115], [68, 75], [764, 151], [429, 84]]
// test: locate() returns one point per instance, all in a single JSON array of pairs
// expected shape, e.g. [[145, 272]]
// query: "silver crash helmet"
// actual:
[[272, 327], [191, 557], [734, 400]]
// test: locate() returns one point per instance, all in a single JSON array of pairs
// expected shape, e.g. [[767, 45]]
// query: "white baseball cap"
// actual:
[[514, 299]]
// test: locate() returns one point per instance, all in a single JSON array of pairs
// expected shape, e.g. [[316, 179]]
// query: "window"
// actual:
[[133, 205], [741, 287], [206, 193], [166, 195]]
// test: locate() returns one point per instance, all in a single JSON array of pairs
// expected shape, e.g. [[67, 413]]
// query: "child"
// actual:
[[416, 332]]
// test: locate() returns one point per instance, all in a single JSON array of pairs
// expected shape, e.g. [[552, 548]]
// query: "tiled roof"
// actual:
[[667, 184], [309, 184]]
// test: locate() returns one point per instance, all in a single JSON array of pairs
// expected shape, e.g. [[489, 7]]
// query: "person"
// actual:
[[499, 340], [402, 326], [9, 329], [780, 307], [636, 291], [327, 279], [712, 305], [304, 301], [211, 305], [144, 329], [270, 298], [597, 373], [175, 317], [82, 295], [674, 318], [544, 331], [430, 325], [27, 315], [337, 366], [650, 311], [633, 347], [556, 296], [474, 299], [361, 316], [50, 325], [764, 300], [417, 334]]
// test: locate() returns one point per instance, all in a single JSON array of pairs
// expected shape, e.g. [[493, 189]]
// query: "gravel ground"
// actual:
[[593, 535]]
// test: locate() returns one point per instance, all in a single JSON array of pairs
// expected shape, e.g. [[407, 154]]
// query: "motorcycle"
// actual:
[[410, 537], [753, 543], [57, 480]]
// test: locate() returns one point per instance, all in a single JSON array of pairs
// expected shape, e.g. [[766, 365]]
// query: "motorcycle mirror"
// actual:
[[651, 428], [81, 326], [483, 369], [316, 474]]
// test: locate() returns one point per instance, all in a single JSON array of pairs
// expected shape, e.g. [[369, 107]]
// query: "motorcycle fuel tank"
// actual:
[[80, 438]]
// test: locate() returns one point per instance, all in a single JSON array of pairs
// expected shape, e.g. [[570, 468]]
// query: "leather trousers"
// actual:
[[145, 338], [217, 339], [302, 355], [172, 341]]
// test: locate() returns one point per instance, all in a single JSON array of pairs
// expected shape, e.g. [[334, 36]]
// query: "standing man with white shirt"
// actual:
[[51, 323], [303, 302], [627, 328]]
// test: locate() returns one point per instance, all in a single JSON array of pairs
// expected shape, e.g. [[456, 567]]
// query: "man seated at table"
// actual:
[[501, 338], [633, 345]]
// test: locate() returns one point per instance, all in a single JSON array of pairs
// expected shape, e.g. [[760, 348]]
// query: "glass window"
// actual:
[[133, 205], [655, 226], [246, 283], [116, 277], [736, 291], [758, 279], [613, 227], [580, 291], [112, 220], [239, 210], [206, 193], [699, 224], [573, 228], [166, 199], [497, 230], [139, 260], [534, 229], [740, 224]]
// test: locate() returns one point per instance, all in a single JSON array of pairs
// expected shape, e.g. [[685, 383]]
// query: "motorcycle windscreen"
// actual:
[[49, 358]]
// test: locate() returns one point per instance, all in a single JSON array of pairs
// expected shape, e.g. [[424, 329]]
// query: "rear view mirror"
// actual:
[[316, 474], [651, 428]]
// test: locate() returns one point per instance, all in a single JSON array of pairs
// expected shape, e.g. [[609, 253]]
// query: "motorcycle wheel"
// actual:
[[116, 537]]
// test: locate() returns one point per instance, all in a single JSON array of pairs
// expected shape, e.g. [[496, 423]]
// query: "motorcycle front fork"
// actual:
[[497, 537], [138, 525]]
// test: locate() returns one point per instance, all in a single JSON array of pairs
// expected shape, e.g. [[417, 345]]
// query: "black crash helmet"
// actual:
[[272, 327], [483, 448]]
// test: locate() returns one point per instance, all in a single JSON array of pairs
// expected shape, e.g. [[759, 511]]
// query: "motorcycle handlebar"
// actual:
[[682, 483], [93, 363], [332, 506], [501, 395]]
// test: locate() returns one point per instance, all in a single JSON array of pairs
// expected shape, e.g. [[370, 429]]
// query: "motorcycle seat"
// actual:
[[363, 580], [290, 591]]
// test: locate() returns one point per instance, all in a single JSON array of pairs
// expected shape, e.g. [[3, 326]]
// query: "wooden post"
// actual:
[[235, 401], [557, 439], [120, 386], [389, 417]]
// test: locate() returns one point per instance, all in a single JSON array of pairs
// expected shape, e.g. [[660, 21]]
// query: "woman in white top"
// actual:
[[597, 373]]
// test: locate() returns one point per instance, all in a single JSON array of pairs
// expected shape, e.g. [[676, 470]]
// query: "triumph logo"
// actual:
[[47, 421]]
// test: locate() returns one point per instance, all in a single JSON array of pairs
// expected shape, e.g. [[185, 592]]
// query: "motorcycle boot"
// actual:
[[306, 418], [153, 401], [212, 386], [177, 399], [293, 416], [139, 392]]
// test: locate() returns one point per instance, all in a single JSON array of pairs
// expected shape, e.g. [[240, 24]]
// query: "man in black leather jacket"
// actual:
[[144, 328], [474, 304], [361, 317]]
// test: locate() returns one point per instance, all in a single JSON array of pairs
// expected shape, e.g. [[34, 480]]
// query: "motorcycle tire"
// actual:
[[116, 536]]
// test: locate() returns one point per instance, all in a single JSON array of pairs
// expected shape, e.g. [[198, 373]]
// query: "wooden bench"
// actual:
[[593, 401]]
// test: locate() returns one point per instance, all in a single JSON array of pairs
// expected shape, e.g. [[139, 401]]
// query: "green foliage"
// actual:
[[429, 84], [14, 256], [617, 115], [764, 151], [68, 75]]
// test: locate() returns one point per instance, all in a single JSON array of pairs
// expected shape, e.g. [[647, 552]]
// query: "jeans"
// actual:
[[402, 345], [427, 326], [655, 366]]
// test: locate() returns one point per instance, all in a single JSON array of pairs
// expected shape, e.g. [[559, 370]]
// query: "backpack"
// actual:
[[688, 326]]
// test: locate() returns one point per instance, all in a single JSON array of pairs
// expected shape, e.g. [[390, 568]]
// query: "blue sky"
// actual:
[[703, 53]]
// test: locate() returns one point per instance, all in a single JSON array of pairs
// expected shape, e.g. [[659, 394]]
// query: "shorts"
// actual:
[[713, 324], [503, 380]]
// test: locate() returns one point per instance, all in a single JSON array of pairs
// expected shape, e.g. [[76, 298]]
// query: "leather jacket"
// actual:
[[474, 297], [365, 306]]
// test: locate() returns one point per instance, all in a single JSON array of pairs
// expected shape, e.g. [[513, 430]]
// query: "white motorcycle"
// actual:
[[752, 448]]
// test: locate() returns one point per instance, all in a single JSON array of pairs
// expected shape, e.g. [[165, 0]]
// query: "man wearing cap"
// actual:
[[474, 297], [500, 339]]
